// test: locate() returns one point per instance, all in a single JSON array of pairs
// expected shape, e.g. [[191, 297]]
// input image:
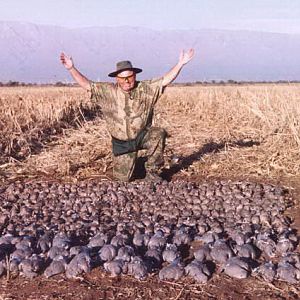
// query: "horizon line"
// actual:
[[148, 28]]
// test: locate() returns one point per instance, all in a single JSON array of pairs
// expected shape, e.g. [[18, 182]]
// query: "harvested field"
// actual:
[[249, 133]]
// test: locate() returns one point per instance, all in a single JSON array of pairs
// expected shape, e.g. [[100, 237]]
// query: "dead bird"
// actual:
[[203, 253], [138, 239], [98, 241], [267, 271], [291, 234], [57, 251], [32, 266], [284, 245], [173, 271], [116, 267], [198, 271], [237, 268], [221, 252], [153, 259], [81, 263], [44, 243], [240, 238], [287, 272], [292, 258], [170, 253], [61, 240], [108, 252], [125, 253], [207, 238], [6, 239], [77, 249], [21, 254], [119, 240], [158, 240], [247, 251], [182, 236], [266, 245], [14, 266], [137, 268], [37, 262], [57, 266], [26, 242]]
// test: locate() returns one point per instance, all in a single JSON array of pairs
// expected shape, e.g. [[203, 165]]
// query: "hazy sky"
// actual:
[[260, 15]]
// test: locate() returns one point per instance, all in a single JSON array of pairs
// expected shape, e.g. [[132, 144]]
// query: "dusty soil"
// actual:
[[98, 285]]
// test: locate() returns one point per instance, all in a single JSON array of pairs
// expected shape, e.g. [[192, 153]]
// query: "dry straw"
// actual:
[[215, 131]]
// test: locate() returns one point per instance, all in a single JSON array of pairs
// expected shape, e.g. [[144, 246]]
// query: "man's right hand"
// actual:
[[66, 61]]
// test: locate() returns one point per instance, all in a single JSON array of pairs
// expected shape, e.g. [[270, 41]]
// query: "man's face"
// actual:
[[126, 80]]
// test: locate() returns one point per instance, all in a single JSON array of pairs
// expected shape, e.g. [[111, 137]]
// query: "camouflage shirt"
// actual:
[[126, 114]]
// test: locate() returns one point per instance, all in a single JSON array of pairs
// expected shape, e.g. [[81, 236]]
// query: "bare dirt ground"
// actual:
[[245, 133], [98, 285]]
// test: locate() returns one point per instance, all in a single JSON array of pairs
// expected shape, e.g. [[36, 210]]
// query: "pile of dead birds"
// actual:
[[172, 229]]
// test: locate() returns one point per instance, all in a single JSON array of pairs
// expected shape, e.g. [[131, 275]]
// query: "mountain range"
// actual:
[[30, 53]]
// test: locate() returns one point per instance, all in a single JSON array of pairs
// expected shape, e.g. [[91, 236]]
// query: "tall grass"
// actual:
[[31, 114], [265, 116]]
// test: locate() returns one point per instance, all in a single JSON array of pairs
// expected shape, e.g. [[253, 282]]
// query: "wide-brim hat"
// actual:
[[124, 65]]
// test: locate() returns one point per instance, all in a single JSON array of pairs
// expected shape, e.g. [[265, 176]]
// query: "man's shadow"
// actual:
[[186, 161]]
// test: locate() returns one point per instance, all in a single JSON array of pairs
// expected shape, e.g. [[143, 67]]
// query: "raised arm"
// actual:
[[78, 77], [184, 58]]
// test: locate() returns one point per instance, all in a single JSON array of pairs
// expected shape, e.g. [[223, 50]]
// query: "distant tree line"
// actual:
[[12, 83], [235, 82]]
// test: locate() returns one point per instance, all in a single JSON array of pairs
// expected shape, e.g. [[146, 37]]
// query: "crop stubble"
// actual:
[[248, 131]]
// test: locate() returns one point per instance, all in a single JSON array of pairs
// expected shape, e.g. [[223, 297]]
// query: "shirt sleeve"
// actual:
[[156, 85], [100, 91], [156, 88]]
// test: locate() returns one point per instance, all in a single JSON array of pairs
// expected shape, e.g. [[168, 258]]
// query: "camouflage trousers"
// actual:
[[154, 144]]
